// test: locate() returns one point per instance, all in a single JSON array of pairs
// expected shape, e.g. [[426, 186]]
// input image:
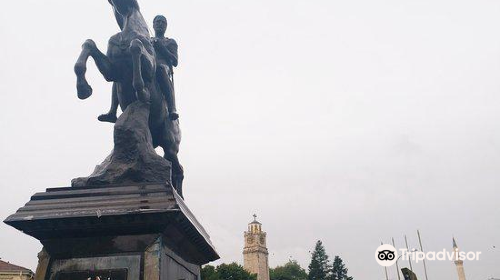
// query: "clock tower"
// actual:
[[255, 255]]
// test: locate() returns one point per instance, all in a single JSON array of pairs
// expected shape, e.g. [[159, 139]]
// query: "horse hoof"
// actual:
[[84, 90]]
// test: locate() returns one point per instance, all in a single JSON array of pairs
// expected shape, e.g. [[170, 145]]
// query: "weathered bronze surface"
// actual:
[[133, 159], [166, 59], [141, 71]]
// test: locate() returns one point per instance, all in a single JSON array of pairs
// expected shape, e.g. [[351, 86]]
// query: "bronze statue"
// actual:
[[166, 60], [138, 73]]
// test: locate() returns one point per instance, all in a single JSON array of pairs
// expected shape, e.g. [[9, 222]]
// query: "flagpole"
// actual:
[[408, 251], [422, 250], [397, 266]]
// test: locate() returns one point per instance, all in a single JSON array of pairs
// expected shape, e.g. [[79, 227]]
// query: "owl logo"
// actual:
[[386, 255]]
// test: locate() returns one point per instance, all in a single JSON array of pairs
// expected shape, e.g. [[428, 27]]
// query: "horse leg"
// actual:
[[177, 170], [138, 51], [103, 63], [82, 86]]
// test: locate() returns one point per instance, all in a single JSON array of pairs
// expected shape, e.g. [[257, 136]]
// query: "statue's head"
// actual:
[[124, 7], [160, 24]]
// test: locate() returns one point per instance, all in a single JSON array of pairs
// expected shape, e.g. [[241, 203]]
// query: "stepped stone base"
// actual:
[[141, 231]]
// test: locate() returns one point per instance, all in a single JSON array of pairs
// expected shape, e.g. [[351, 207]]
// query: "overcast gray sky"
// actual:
[[346, 121]]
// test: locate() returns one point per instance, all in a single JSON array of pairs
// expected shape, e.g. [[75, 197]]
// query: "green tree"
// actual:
[[339, 270], [290, 271], [208, 272], [232, 271], [319, 268]]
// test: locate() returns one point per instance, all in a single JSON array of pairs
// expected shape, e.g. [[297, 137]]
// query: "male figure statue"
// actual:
[[166, 59]]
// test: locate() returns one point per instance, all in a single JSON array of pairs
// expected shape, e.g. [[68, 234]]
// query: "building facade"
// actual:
[[10, 271], [255, 254]]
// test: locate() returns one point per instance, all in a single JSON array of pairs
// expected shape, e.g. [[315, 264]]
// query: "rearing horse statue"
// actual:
[[130, 63]]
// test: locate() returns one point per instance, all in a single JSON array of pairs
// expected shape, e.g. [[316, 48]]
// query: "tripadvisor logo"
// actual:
[[387, 255]]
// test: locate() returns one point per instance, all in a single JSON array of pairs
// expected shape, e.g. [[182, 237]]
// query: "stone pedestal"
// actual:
[[123, 232]]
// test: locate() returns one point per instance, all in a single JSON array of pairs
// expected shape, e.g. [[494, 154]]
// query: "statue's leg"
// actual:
[[168, 90], [138, 51], [173, 115], [111, 115]]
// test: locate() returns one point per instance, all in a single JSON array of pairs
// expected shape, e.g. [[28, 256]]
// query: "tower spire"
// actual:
[[458, 261]]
